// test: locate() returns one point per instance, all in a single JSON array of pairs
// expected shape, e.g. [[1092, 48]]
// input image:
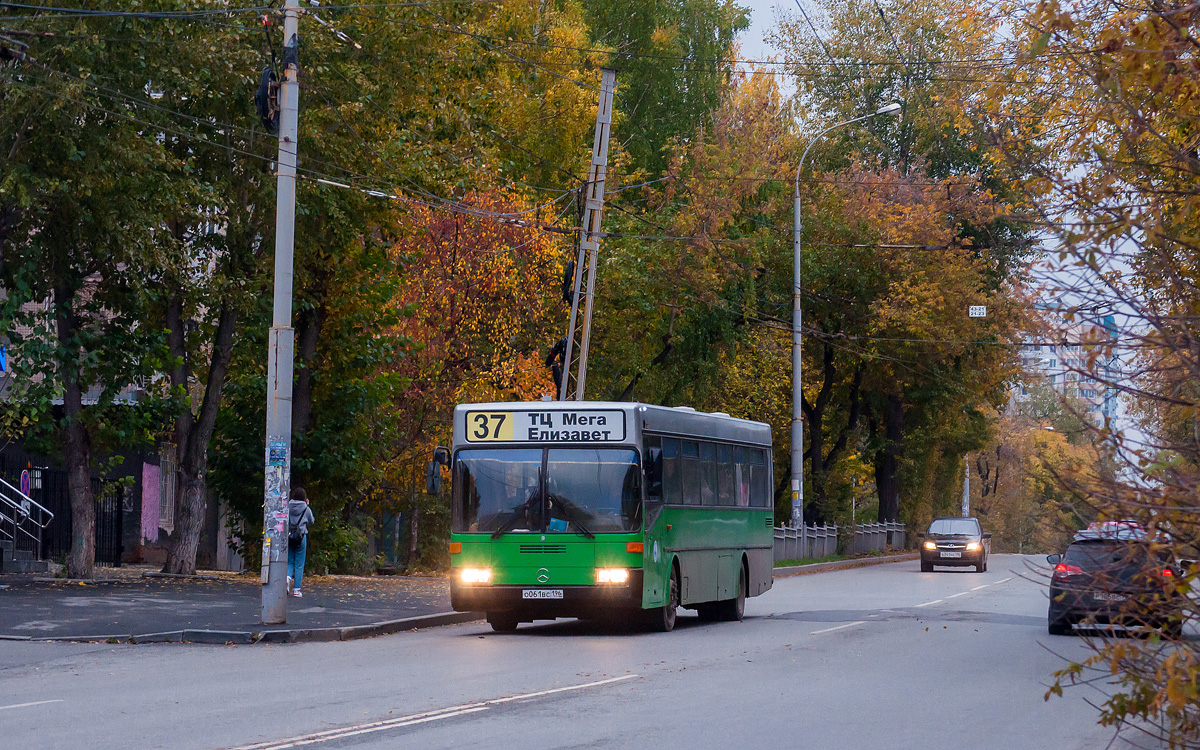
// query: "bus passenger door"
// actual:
[[655, 560]]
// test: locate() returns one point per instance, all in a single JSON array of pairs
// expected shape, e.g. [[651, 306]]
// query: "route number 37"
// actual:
[[484, 426]]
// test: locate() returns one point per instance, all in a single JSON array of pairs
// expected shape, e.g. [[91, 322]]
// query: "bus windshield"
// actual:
[[574, 490]]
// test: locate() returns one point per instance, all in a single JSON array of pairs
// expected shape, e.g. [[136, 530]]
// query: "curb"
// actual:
[[184, 576], [799, 570], [297, 635], [80, 581]]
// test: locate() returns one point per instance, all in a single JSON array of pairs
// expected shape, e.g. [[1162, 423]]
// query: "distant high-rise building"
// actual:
[[1073, 360]]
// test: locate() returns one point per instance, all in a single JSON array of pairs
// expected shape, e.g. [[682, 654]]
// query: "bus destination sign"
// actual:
[[550, 426]]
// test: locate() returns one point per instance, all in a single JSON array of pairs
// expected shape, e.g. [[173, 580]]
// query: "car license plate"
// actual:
[[1101, 596], [541, 593], [951, 554]]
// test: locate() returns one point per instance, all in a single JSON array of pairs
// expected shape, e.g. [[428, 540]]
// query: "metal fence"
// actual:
[[811, 542], [48, 486]]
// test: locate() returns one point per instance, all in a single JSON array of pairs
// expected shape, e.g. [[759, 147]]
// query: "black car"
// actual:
[[955, 541], [1113, 576]]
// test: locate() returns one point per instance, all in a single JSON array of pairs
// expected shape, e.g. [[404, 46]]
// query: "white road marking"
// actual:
[[839, 627], [984, 586], [935, 601], [961, 593], [1003, 580], [33, 703], [404, 721]]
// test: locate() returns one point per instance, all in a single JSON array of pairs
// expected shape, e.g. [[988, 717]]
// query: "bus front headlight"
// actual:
[[475, 575], [612, 575]]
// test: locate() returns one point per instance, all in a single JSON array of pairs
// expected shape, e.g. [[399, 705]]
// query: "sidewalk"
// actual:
[[217, 608]]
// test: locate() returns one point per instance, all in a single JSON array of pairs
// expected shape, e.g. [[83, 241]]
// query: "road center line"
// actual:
[[961, 593], [32, 703], [1003, 580], [426, 716], [839, 627], [984, 586], [935, 601]]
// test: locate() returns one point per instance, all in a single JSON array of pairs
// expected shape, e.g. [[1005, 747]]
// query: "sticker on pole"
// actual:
[[278, 453], [977, 311], [551, 426]]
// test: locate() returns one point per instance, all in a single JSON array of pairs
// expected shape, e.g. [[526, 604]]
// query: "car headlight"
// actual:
[[612, 575], [930, 545], [475, 575], [974, 546]]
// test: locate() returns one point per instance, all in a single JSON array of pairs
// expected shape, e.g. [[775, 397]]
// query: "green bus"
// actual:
[[598, 509]]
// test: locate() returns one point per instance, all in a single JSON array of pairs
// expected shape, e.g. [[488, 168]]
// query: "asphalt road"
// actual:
[[882, 656]]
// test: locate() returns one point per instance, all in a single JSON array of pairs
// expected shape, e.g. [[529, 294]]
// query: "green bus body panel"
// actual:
[[709, 544]]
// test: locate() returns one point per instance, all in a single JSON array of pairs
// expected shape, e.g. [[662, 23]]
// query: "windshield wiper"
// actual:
[[572, 512], [505, 527]]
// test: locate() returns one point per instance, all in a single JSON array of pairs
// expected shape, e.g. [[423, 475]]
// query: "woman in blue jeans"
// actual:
[[299, 517]]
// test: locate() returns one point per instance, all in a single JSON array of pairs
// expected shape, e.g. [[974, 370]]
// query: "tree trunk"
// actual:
[[413, 538], [81, 560], [887, 460], [308, 331], [192, 435]]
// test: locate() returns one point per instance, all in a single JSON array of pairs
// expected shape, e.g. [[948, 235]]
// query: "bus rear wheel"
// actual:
[[503, 622], [662, 619], [734, 610]]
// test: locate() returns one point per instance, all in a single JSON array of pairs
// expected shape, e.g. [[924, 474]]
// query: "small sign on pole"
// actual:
[[977, 311]]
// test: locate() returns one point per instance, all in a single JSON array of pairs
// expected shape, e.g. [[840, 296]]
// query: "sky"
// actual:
[[762, 19]]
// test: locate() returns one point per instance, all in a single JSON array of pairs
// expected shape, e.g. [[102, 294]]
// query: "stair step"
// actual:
[[25, 566]]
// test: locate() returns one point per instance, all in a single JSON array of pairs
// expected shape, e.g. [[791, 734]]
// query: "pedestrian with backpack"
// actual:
[[299, 517]]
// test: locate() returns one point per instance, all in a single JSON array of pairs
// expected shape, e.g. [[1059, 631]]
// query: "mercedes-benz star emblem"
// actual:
[[543, 575]]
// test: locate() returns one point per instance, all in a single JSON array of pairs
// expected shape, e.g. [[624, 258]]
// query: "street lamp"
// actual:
[[797, 383]]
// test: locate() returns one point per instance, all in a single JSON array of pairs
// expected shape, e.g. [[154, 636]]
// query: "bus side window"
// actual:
[[708, 474], [741, 477], [725, 475], [760, 484], [691, 472], [654, 470], [672, 491]]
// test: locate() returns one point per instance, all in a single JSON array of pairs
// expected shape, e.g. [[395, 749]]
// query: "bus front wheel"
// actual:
[[662, 619]]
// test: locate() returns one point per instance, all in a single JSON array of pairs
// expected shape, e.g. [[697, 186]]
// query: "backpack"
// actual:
[[295, 535]]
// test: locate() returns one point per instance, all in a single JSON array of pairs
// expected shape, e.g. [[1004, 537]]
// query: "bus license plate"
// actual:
[[951, 554], [541, 593]]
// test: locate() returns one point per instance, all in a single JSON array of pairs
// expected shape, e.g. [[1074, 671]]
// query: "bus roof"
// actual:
[[636, 418]]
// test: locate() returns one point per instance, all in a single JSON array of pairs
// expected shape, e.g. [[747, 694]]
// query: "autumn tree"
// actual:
[[1098, 111]]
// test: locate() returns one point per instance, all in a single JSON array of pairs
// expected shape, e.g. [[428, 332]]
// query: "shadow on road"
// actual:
[[571, 627]]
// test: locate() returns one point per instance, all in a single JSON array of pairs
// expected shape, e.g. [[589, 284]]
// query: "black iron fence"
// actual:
[[48, 487]]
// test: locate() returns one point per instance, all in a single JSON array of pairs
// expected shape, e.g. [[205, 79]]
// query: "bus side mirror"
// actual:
[[433, 474]]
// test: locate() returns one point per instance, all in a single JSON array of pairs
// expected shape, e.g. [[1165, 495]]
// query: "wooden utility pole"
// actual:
[[589, 244]]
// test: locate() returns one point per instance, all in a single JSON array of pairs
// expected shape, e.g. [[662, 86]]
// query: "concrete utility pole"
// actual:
[[966, 500], [589, 242], [282, 337]]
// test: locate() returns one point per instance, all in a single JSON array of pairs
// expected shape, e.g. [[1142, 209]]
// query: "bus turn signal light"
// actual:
[[455, 548], [634, 547]]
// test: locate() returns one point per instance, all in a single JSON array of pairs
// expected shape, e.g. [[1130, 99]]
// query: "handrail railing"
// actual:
[[24, 505]]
